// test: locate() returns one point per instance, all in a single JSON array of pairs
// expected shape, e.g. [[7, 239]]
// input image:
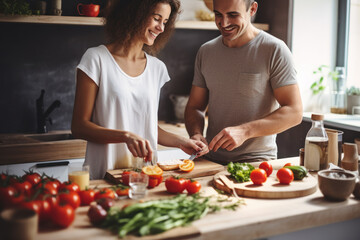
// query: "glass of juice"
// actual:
[[79, 174], [138, 183]]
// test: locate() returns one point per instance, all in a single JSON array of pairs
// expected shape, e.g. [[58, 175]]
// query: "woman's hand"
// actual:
[[139, 147], [191, 146]]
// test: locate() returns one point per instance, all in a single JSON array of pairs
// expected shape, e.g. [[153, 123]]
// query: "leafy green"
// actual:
[[15, 7], [157, 216], [240, 171]]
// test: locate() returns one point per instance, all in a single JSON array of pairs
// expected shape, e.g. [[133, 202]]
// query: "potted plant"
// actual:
[[337, 87], [353, 98]]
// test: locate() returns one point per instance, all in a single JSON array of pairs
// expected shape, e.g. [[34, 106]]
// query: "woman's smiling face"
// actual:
[[156, 23]]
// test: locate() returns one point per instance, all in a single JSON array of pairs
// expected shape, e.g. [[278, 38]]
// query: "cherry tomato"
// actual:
[[258, 176], [62, 215], [70, 198], [15, 200], [154, 181], [51, 199], [86, 196], [53, 182], [23, 187], [71, 186], [105, 193], [288, 164], [121, 190], [32, 205], [175, 185], [193, 186], [33, 178], [6, 193], [125, 177], [45, 210], [285, 176], [267, 167], [46, 188]]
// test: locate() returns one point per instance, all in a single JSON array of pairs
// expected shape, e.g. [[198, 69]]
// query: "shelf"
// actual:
[[98, 21]]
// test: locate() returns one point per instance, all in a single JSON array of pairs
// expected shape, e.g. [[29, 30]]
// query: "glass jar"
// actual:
[[316, 145], [338, 92]]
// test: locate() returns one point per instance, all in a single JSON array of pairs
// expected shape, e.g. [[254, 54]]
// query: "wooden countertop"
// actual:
[[259, 218]]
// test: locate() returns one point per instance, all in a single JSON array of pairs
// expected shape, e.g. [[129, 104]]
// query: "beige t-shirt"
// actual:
[[240, 82], [123, 102]]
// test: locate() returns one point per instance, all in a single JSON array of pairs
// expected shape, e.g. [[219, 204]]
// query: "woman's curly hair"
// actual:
[[126, 20]]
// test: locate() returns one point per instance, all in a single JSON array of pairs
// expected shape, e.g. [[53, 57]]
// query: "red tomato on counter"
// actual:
[[175, 185], [258, 176], [193, 186], [285, 176], [267, 167], [105, 193], [70, 198], [87, 196], [62, 215]]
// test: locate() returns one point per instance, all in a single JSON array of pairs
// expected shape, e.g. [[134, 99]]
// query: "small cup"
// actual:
[[138, 183], [79, 174], [18, 224], [356, 110]]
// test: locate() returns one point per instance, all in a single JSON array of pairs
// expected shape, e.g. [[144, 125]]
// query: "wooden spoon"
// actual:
[[229, 184]]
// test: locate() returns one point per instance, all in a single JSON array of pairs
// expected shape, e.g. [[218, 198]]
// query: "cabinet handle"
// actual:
[[52, 164]]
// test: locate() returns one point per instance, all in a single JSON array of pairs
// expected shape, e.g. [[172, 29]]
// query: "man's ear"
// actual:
[[253, 8]]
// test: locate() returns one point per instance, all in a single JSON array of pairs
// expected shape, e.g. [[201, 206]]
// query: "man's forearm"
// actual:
[[194, 121]]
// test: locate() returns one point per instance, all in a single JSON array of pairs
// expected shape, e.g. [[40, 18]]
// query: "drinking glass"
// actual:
[[138, 183], [79, 174]]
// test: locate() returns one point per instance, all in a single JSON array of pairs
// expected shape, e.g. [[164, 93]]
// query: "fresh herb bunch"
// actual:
[[15, 7], [240, 171], [158, 216], [322, 72]]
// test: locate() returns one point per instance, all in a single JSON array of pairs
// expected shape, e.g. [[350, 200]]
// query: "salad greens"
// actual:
[[240, 171], [157, 216]]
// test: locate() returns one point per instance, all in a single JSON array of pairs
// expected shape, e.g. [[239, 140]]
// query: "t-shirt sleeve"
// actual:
[[164, 75], [199, 79], [282, 67], [90, 65]]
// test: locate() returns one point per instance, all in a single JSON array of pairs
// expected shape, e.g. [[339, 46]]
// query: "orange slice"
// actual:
[[153, 171], [187, 165]]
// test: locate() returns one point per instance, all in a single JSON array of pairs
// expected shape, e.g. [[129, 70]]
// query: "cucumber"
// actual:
[[299, 172]]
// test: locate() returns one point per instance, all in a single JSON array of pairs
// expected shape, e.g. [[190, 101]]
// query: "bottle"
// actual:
[[338, 92], [316, 145]]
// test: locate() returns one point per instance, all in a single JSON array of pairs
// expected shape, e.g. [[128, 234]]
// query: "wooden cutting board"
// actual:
[[202, 168], [271, 188]]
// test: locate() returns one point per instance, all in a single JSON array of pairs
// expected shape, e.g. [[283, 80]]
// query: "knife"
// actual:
[[193, 156]]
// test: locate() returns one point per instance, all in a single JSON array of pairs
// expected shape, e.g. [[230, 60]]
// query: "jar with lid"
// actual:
[[316, 145]]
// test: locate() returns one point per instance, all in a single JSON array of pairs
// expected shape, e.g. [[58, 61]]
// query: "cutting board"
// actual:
[[202, 168], [271, 189]]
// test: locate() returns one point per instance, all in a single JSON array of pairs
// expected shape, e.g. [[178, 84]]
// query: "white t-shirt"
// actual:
[[123, 102]]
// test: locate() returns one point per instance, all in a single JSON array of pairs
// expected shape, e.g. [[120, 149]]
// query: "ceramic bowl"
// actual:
[[18, 224], [336, 185]]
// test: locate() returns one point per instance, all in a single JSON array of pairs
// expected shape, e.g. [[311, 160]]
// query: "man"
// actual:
[[247, 79]]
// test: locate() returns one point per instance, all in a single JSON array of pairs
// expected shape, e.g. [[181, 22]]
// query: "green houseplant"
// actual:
[[353, 98], [15, 7]]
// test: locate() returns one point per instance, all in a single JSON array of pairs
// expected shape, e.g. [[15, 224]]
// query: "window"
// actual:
[[353, 56]]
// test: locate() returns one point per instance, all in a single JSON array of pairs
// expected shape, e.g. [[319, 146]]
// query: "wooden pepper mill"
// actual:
[[351, 157]]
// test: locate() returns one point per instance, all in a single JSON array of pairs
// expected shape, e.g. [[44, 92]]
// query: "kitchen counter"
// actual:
[[259, 218], [349, 122]]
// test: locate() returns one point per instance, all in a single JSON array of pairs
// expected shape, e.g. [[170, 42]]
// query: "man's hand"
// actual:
[[229, 138]]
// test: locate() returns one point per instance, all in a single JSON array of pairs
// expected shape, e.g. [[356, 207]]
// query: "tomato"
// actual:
[[285, 176], [121, 190], [15, 200], [3, 176], [105, 203], [187, 165], [46, 188], [70, 198], [45, 210], [32, 205], [193, 186], [62, 215], [6, 193], [105, 193], [258, 176], [33, 178], [175, 185], [288, 164], [267, 167], [73, 187], [23, 186], [53, 182], [51, 199], [86, 196], [125, 177]]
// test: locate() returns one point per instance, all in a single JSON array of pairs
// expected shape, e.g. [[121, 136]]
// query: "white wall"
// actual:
[[314, 43]]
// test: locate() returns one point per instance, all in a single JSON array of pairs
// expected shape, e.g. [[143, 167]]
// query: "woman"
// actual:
[[118, 88]]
